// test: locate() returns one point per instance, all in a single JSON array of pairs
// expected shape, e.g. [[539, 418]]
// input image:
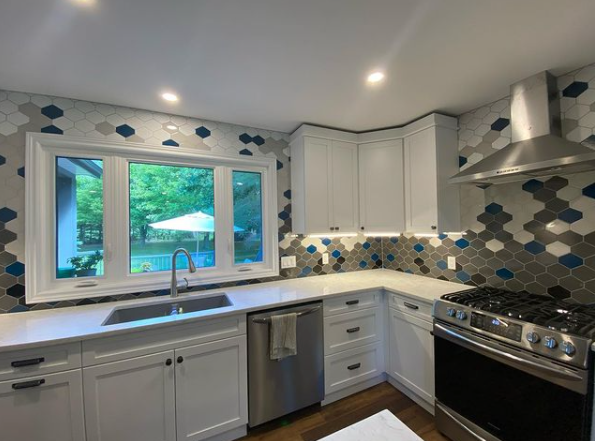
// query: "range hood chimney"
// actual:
[[537, 148]]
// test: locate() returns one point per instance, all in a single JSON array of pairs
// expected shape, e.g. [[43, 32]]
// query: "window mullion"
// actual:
[[116, 219], [223, 219]]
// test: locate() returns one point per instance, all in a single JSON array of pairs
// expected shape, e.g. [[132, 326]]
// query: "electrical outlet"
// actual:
[[324, 258], [288, 262], [452, 262]]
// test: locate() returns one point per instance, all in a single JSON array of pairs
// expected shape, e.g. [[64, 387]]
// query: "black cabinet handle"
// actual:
[[28, 384], [354, 366], [30, 362], [352, 302], [168, 362], [410, 305], [362, 228], [337, 228], [434, 227], [352, 330], [432, 333], [180, 359]]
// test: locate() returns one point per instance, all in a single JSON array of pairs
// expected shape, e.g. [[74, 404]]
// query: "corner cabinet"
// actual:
[[387, 181], [431, 203], [324, 185], [381, 187]]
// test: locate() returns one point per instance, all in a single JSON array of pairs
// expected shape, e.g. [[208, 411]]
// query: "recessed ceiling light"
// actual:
[[168, 96], [375, 77], [84, 2], [171, 127]]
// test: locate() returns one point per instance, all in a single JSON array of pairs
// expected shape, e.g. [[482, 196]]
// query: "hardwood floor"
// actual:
[[317, 422]]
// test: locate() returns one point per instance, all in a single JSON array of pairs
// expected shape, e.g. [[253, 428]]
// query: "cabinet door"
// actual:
[[344, 187], [381, 186], [317, 154], [411, 349], [43, 408], [421, 196], [211, 388], [131, 400]]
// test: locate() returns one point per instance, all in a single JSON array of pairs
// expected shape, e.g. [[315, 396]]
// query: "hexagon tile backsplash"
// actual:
[[537, 235], [21, 113]]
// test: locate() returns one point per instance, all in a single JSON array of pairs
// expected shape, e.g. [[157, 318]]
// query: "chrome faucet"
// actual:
[[174, 279]]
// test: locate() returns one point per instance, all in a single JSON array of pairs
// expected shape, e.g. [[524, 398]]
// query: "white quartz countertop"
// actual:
[[383, 426], [62, 325]]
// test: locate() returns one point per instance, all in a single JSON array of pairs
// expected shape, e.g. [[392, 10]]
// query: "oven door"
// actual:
[[486, 390]]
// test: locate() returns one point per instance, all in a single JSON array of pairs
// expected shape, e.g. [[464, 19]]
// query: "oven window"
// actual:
[[509, 403]]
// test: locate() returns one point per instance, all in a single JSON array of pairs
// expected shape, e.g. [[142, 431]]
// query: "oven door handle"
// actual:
[[558, 371], [460, 424]]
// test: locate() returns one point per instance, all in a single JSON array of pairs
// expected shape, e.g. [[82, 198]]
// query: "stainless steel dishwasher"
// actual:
[[276, 388]]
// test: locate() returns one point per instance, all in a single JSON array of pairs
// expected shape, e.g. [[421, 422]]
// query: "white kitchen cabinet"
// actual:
[[411, 354], [381, 187], [131, 400], [324, 185], [43, 408], [211, 389], [191, 393], [431, 203]]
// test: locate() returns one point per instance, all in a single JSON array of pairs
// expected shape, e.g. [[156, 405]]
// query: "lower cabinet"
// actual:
[[131, 399], [43, 408], [411, 349], [211, 389], [191, 393]]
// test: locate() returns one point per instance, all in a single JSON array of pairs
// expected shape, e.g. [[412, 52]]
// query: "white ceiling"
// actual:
[[277, 63]]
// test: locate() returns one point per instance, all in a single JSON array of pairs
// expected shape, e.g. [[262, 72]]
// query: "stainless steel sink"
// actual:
[[174, 307]]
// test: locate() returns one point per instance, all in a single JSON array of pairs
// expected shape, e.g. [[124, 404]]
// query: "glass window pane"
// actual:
[[171, 207], [247, 214], [79, 217]]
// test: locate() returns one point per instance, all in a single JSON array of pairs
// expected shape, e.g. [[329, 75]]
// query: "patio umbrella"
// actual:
[[198, 222]]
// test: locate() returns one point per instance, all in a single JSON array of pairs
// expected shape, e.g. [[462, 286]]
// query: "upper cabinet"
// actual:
[[388, 181], [431, 203], [324, 185], [381, 187]]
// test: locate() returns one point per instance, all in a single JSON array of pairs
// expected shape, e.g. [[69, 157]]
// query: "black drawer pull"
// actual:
[[352, 302], [30, 362], [352, 330], [410, 305], [354, 366], [28, 384]]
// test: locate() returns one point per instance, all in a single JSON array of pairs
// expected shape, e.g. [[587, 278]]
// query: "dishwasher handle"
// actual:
[[264, 321]]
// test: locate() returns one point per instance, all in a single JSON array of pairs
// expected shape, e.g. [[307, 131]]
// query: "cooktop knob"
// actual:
[[568, 348], [451, 312], [533, 337], [461, 315], [550, 342]]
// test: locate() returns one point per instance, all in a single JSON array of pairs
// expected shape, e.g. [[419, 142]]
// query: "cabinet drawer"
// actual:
[[352, 367], [351, 330], [39, 361], [411, 306], [136, 344], [352, 302]]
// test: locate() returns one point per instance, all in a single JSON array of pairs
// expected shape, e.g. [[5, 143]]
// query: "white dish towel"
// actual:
[[283, 336]]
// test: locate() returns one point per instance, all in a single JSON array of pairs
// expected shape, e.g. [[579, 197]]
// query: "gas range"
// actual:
[[542, 325]]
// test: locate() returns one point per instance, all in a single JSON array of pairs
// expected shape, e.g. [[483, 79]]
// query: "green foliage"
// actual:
[[85, 262], [247, 201], [160, 192]]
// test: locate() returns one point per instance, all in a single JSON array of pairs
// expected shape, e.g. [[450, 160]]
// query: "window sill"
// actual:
[[137, 285]]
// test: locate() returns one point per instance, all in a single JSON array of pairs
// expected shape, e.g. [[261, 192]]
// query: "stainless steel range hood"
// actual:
[[537, 147]]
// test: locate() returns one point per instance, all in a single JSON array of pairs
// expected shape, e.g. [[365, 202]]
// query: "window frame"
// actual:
[[40, 203]]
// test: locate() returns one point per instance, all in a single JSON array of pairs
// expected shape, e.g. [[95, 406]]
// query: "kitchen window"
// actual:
[[103, 218]]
